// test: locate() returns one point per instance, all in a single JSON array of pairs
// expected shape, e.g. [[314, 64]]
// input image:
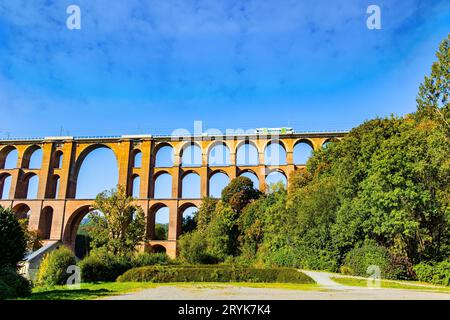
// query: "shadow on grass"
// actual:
[[69, 294]]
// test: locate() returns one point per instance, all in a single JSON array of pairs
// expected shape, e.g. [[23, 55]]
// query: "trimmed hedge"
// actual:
[[150, 259], [205, 273], [13, 285], [103, 266], [436, 273]]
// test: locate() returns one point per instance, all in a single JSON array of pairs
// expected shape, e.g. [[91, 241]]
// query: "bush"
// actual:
[[103, 266], [13, 285], [346, 270], [222, 273], [13, 241], [193, 249], [436, 273], [360, 258], [150, 259], [53, 268]]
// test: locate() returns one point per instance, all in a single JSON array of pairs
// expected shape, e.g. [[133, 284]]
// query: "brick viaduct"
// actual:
[[56, 212]]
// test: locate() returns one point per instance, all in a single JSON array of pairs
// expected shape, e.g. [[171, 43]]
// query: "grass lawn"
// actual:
[[98, 290], [397, 284]]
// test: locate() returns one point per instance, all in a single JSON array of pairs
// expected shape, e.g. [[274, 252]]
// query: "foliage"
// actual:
[[239, 193], [193, 248], [361, 258], [213, 274], [12, 240], [161, 231], [149, 259], [117, 224], [206, 212], [13, 285], [102, 265], [433, 98], [33, 238], [53, 268], [436, 273]]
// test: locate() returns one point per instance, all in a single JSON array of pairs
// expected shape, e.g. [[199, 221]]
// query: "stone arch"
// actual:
[[30, 186], [249, 157], [218, 157], [74, 189], [54, 187], [190, 185], [136, 158], [186, 220], [164, 155], [328, 142], [158, 248], [72, 225], [302, 151], [275, 157], [32, 157], [8, 157], [274, 176], [22, 211], [217, 181], [5, 186], [45, 223], [159, 220], [162, 188], [57, 159], [191, 154], [252, 176]]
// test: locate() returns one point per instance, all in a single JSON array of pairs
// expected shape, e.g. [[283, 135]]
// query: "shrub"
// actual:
[[346, 270], [53, 268], [13, 285], [103, 266], [436, 273], [13, 240], [222, 273], [360, 258], [193, 249], [149, 259]]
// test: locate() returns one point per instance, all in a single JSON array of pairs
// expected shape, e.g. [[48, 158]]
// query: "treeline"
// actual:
[[380, 196]]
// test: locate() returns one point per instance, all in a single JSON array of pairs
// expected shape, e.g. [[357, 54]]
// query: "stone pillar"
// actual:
[[146, 149], [14, 181], [176, 176], [67, 183], [173, 220], [45, 180], [261, 172], [204, 185], [123, 157]]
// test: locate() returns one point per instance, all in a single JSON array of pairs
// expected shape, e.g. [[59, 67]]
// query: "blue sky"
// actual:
[[141, 66], [154, 66]]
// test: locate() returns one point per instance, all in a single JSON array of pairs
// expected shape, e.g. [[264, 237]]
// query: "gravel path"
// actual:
[[329, 290]]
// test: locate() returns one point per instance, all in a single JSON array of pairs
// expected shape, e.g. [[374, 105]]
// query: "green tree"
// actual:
[[239, 193], [13, 240], [117, 224], [433, 98]]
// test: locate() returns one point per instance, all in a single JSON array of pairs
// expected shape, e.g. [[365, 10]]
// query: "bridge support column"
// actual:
[[124, 163], [47, 150], [173, 220], [146, 149]]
